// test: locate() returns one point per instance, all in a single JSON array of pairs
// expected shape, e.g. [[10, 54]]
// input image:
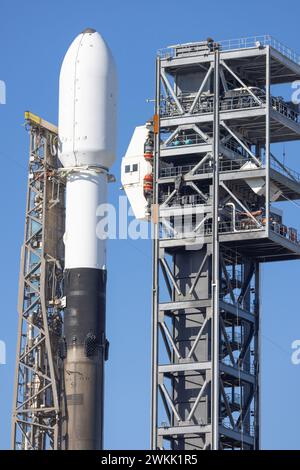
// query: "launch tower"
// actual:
[[38, 406], [217, 182]]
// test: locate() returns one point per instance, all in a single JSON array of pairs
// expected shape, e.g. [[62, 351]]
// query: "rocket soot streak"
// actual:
[[87, 137]]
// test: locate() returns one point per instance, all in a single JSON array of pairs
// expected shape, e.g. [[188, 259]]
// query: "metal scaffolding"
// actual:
[[38, 395], [216, 185]]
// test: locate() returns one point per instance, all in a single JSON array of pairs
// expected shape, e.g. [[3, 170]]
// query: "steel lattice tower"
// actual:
[[216, 184], [38, 407]]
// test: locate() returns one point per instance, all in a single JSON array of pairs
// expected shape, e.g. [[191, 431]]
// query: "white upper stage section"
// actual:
[[87, 103]]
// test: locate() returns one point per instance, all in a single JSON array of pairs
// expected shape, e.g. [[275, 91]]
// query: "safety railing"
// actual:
[[289, 233], [231, 45], [182, 201], [205, 105], [182, 140], [185, 230], [239, 226], [206, 167], [259, 41], [229, 165], [232, 165], [283, 108], [247, 224], [173, 171], [235, 147]]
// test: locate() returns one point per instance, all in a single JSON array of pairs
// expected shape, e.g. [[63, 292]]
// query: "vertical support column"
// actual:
[[215, 260], [257, 352], [268, 103], [155, 260]]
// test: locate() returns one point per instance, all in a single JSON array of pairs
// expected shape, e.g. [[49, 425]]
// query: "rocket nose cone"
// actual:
[[89, 37], [87, 103], [88, 31]]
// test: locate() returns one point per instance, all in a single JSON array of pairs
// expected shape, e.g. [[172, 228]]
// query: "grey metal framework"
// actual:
[[216, 185], [38, 399]]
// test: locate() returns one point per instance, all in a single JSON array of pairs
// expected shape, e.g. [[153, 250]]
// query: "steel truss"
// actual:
[[38, 398], [209, 142]]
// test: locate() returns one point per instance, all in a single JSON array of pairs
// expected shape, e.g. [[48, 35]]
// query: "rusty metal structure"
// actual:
[[38, 414]]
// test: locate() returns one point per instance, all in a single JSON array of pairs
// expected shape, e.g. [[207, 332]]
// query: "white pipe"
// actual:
[[233, 214]]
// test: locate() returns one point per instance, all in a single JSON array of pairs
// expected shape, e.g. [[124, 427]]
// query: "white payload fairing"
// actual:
[[87, 141]]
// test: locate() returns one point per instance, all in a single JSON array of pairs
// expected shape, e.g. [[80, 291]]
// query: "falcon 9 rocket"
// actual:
[[87, 138]]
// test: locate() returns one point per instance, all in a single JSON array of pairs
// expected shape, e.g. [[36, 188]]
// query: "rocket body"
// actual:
[[87, 137]]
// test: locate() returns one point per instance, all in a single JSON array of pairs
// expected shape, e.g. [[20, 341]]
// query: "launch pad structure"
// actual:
[[217, 183], [38, 393]]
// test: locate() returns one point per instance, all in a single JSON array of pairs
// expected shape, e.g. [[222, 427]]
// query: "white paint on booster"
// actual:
[[83, 249], [87, 140]]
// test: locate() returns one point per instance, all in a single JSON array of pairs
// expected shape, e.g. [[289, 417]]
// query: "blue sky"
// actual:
[[34, 37]]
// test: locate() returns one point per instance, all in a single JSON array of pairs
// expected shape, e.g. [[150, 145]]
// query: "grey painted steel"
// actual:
[[206, 307], [215, 258], [267, 147], [155, 270]]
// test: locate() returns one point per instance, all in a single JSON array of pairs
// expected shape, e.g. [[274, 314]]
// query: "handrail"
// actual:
[[205, 105], [231, 45], [226, 227], [229, 165]]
